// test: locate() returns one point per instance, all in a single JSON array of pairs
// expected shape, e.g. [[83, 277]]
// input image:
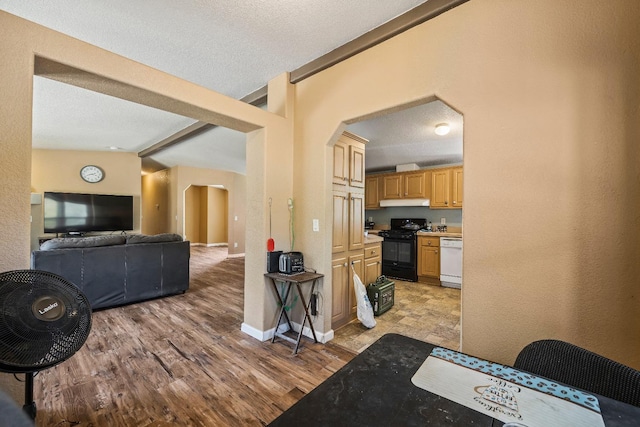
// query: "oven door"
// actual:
[[399, 258]]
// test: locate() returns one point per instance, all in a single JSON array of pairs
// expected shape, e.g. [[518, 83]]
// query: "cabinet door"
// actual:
[[356, 221], [356, 166], [414, 185], [456, 187], [340, 314], [340, 242], [357, 261], [340, 163], [371, 196], [392, 187], [428, 257], [440, 189], [372, 269]]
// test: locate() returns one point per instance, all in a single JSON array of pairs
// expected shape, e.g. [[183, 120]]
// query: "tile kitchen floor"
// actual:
[[425, 312]]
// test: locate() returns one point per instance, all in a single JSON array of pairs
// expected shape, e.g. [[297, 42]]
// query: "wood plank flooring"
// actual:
[[183, 360]]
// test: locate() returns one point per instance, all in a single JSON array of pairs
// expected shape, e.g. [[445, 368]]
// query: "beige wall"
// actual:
[[155, 202], [192, 214], [549, 93], [59, 170], [216, 216]]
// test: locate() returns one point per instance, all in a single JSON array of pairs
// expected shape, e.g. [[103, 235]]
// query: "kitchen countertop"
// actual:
[[372, 238], [374, 233], [439, 234]]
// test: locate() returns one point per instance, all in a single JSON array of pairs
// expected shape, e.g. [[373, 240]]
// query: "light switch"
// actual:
[[316, 225], [443, 221]]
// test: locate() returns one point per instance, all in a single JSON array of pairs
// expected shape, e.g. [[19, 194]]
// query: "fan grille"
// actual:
[[44, 320]]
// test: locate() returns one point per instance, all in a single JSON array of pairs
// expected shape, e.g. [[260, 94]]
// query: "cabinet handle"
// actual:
[[446, 203], [345, 264], [436, 252], [454, 202]]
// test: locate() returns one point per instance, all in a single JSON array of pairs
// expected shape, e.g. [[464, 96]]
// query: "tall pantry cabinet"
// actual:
[[348, 225]]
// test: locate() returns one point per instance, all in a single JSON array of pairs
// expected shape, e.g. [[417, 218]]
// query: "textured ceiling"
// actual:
[[232, 47]]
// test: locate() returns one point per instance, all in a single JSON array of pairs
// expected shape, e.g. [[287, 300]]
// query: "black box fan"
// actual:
[[44, 320]]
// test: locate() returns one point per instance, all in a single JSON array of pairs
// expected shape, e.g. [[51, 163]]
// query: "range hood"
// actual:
[[403, 202]]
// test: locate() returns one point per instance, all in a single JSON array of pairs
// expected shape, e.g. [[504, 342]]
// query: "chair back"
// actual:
[[576, 367]]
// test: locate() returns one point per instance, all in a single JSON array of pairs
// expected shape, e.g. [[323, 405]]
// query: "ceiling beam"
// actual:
[[258, 97], [416, 16]]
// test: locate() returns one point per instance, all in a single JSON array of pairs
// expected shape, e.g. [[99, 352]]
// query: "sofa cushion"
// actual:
[[82, 242], [156, 238]]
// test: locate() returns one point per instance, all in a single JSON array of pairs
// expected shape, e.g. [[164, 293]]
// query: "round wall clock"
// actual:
[[92, 174]]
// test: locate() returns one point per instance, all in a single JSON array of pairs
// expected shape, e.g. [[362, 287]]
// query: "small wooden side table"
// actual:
[[289, 280]]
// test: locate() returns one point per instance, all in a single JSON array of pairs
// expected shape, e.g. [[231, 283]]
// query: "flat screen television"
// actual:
[[80, 213]]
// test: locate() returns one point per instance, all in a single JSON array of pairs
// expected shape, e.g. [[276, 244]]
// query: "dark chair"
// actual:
[[580, 368]]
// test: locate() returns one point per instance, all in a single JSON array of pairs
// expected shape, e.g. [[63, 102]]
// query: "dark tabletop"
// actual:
[[375, 389]]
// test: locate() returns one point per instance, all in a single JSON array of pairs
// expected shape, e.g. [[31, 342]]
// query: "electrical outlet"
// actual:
[[235, 244], [316, 225], [443, 221]]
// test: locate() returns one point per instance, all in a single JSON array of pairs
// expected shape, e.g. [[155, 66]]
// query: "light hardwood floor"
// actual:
[[183, 360]]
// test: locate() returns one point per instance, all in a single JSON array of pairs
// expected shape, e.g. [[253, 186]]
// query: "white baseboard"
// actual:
[[268, 334]]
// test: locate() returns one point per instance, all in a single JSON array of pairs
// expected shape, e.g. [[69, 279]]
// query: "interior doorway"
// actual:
[[406, 137], [205, 215]]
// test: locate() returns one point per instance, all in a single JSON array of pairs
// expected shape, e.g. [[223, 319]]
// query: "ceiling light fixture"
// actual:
[[113, 147], [442, 129]]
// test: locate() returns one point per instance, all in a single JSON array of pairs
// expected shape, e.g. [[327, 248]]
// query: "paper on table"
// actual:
[[505, 393]]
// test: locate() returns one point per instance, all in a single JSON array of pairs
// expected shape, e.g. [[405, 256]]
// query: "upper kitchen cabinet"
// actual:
[[372, 192], [456, 187], [406, 185], [417, 185], [392, 186], [446, 188], [348, 161]]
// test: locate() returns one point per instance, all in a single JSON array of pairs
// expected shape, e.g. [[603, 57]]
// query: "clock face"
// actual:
[[92, 174]]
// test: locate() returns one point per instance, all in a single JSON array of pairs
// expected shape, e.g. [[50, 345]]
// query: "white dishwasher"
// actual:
[[451, 262]]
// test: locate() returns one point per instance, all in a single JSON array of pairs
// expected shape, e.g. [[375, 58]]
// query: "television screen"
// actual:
[[74, 212]]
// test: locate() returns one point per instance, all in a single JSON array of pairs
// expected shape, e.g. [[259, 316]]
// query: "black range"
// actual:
[[400, 248]]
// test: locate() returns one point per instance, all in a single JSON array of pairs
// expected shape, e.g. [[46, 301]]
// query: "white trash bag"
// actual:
[[365, 310]]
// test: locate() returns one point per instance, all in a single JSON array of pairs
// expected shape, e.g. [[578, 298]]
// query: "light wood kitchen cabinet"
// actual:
[[356, 221], [348, 225], [429, 259], [340, 314], [357, 261], [372, 262], [348, 222], [340, 240], [446, 188], [348, 161], [392, 186], [417, 185], [344, 305], [440, 188], [456, 187], [405, 185], [372, 193]]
